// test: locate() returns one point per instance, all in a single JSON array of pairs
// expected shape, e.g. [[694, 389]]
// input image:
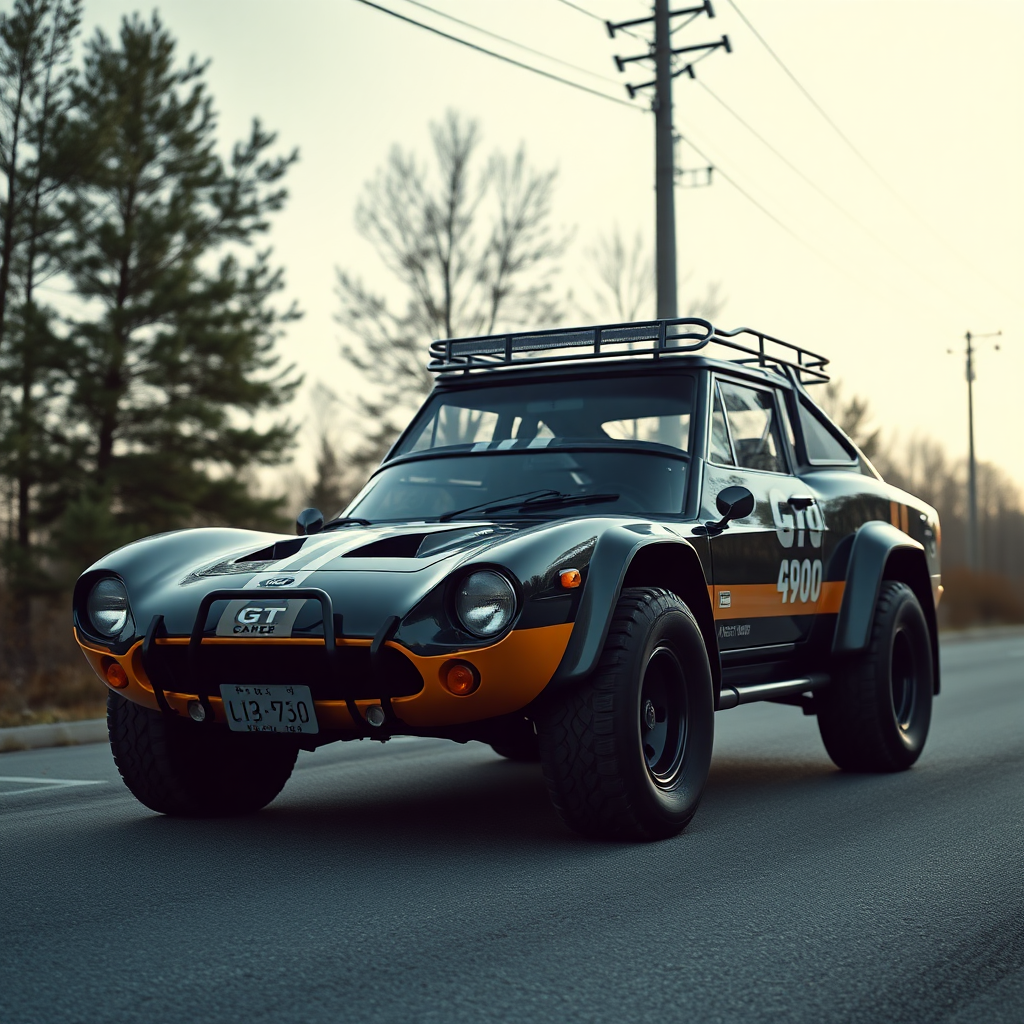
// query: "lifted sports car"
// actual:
[[585, 544]]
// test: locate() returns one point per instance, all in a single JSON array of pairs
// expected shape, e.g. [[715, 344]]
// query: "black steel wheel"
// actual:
[[626, 755], [176, 766], [875, 715]]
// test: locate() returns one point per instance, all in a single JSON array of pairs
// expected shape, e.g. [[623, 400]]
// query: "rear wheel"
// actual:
[[627, 753], [175, 766], [875, 716]]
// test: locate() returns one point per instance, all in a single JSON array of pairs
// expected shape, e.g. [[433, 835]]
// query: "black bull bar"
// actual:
[[162, 678]]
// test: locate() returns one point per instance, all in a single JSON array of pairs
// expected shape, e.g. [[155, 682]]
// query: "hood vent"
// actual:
[[280, 549], [404, 546]]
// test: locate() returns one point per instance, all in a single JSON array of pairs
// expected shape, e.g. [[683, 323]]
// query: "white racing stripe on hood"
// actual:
[[319, 550], [306, 559], [298, 575]]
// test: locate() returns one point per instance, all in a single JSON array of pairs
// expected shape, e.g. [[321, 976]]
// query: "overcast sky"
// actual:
[[883, 276]]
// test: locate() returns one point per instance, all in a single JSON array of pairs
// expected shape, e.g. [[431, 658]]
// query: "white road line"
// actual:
[[38, 784]]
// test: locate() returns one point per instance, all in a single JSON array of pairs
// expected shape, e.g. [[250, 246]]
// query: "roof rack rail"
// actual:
[[654, 339]]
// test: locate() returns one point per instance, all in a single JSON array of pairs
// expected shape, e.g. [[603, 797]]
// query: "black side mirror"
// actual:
[[309, 520], [734, 502]]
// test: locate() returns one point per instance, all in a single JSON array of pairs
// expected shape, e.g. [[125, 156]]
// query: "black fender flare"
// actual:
[[882, 552], [621, 559]]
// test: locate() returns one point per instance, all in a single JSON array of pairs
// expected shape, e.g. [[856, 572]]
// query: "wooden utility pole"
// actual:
[[662, 53], [664, 164], [973, 547]]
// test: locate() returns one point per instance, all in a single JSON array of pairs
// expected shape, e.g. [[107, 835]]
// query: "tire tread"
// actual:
[[579, 754], [853, 727]]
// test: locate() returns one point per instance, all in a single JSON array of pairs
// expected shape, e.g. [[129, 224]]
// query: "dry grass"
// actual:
[[66, 693], [979, 599], [59, 685]]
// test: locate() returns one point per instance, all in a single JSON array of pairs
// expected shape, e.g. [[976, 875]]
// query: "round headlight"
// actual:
[[108, 606], [485, 603]]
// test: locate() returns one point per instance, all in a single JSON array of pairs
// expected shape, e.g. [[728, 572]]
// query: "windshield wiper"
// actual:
[[562, 500], [540, 500], [512, 501], [346, 521]]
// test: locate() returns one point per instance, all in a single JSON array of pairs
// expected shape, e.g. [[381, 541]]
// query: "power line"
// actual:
[[612, 99], [512, 42], [817, 188], [501, 56], [582, 10], [817, 106], [597, 17], [870, 166], [782, 224]]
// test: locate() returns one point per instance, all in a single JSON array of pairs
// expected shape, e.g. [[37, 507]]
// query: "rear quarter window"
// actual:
[[824, 444]]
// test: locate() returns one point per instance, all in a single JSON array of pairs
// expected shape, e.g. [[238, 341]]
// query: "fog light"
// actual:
[[115, 674], [196, 711], [460, 678], [375, 715]]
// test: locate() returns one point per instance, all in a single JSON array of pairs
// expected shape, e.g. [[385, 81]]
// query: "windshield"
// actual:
[[632, 411], [557, 448], [641, 483]]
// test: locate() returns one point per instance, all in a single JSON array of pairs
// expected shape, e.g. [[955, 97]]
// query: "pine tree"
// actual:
[[177, 355], [39, 159]]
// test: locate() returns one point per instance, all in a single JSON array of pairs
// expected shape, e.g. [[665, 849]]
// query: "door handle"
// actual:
[[799, 501]]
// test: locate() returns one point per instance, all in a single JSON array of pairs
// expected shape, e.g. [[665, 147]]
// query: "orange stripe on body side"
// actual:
[[764, 600], [899, 516]]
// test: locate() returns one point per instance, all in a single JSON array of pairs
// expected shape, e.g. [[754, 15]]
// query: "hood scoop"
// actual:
[[403, 546], [278, 550], [425, 545]]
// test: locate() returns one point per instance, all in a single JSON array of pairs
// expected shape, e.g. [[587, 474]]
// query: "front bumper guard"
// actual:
[[162, 680]]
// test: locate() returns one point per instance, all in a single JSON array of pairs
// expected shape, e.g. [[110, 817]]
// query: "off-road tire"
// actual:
[[596, 748], [874, 717], [179, 767]]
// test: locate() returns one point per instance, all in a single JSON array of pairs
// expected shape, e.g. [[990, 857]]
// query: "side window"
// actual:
[[821, 442], [754, 428], [721, 449]]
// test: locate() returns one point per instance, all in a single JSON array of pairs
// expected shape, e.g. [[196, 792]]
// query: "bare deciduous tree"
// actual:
[[328, 490], [470, 243], [853, 415], [622, 282], [624, 275]]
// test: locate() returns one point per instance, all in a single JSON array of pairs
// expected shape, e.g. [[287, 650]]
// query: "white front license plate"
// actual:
[[273, 708]]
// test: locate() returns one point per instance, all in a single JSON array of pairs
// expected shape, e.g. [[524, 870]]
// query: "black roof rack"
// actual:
[[654, 339]]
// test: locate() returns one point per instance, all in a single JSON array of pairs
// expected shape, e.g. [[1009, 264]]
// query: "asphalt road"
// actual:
[[424, 881]]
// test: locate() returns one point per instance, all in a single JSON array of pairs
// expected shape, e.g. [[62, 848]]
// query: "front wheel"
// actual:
[[627, 753], [874, 717], [175, 766]]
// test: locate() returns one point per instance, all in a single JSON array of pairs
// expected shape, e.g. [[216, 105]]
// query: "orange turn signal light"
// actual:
[[570, 578], [460, 678], [115, 674]]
